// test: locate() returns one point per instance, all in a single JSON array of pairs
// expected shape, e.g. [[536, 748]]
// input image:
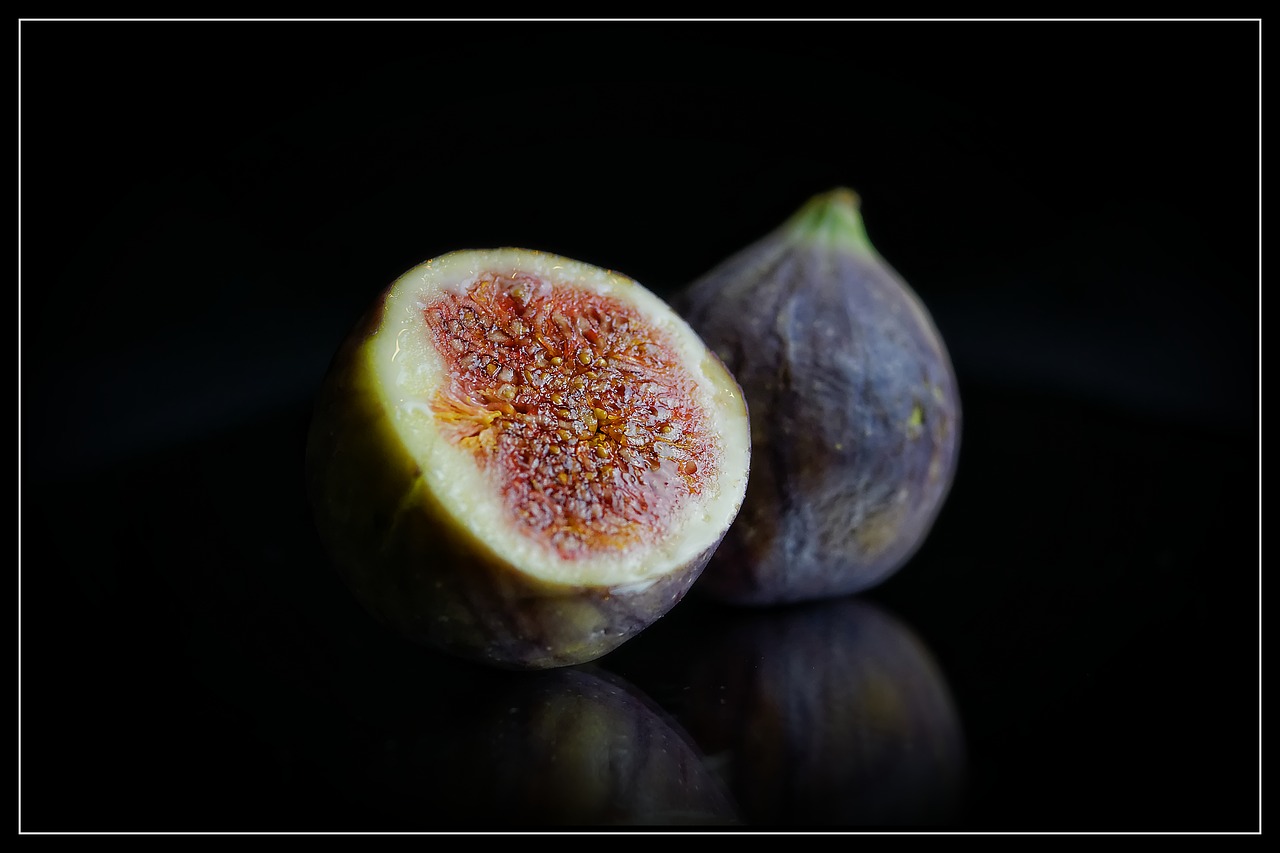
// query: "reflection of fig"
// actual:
[[569, 747], [523, 459], [827, 713], [855, 414]]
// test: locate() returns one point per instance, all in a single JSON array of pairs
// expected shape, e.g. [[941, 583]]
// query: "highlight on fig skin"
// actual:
[[854, 407], [522, 459]]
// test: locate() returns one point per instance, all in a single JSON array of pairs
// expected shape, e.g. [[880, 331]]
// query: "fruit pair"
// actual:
[[526, 460]]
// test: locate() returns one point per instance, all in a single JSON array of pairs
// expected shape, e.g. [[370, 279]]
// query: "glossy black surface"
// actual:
[[206, 208]]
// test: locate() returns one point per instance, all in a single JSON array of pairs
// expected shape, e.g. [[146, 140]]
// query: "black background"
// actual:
[[206, 207]]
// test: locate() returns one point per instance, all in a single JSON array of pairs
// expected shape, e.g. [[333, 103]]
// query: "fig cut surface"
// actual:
[[576, 408]]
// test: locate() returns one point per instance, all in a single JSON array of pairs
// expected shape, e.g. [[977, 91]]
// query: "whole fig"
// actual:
[[853, 402]]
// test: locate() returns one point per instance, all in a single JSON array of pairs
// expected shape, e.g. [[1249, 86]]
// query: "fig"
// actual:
[[854, 408], [522, 459]]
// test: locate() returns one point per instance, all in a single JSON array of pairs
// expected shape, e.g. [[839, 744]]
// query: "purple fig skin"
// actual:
[[854, 407]]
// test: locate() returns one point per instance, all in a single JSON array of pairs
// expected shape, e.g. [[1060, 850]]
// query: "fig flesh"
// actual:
[[523, 459], [855, 412]]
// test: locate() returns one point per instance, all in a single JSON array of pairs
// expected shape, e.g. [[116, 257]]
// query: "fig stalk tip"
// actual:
[[832, 218]]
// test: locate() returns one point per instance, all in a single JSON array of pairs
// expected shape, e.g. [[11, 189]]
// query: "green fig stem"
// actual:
[[831, 219]]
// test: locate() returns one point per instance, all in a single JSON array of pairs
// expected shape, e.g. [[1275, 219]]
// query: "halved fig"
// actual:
[[523, 459]]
